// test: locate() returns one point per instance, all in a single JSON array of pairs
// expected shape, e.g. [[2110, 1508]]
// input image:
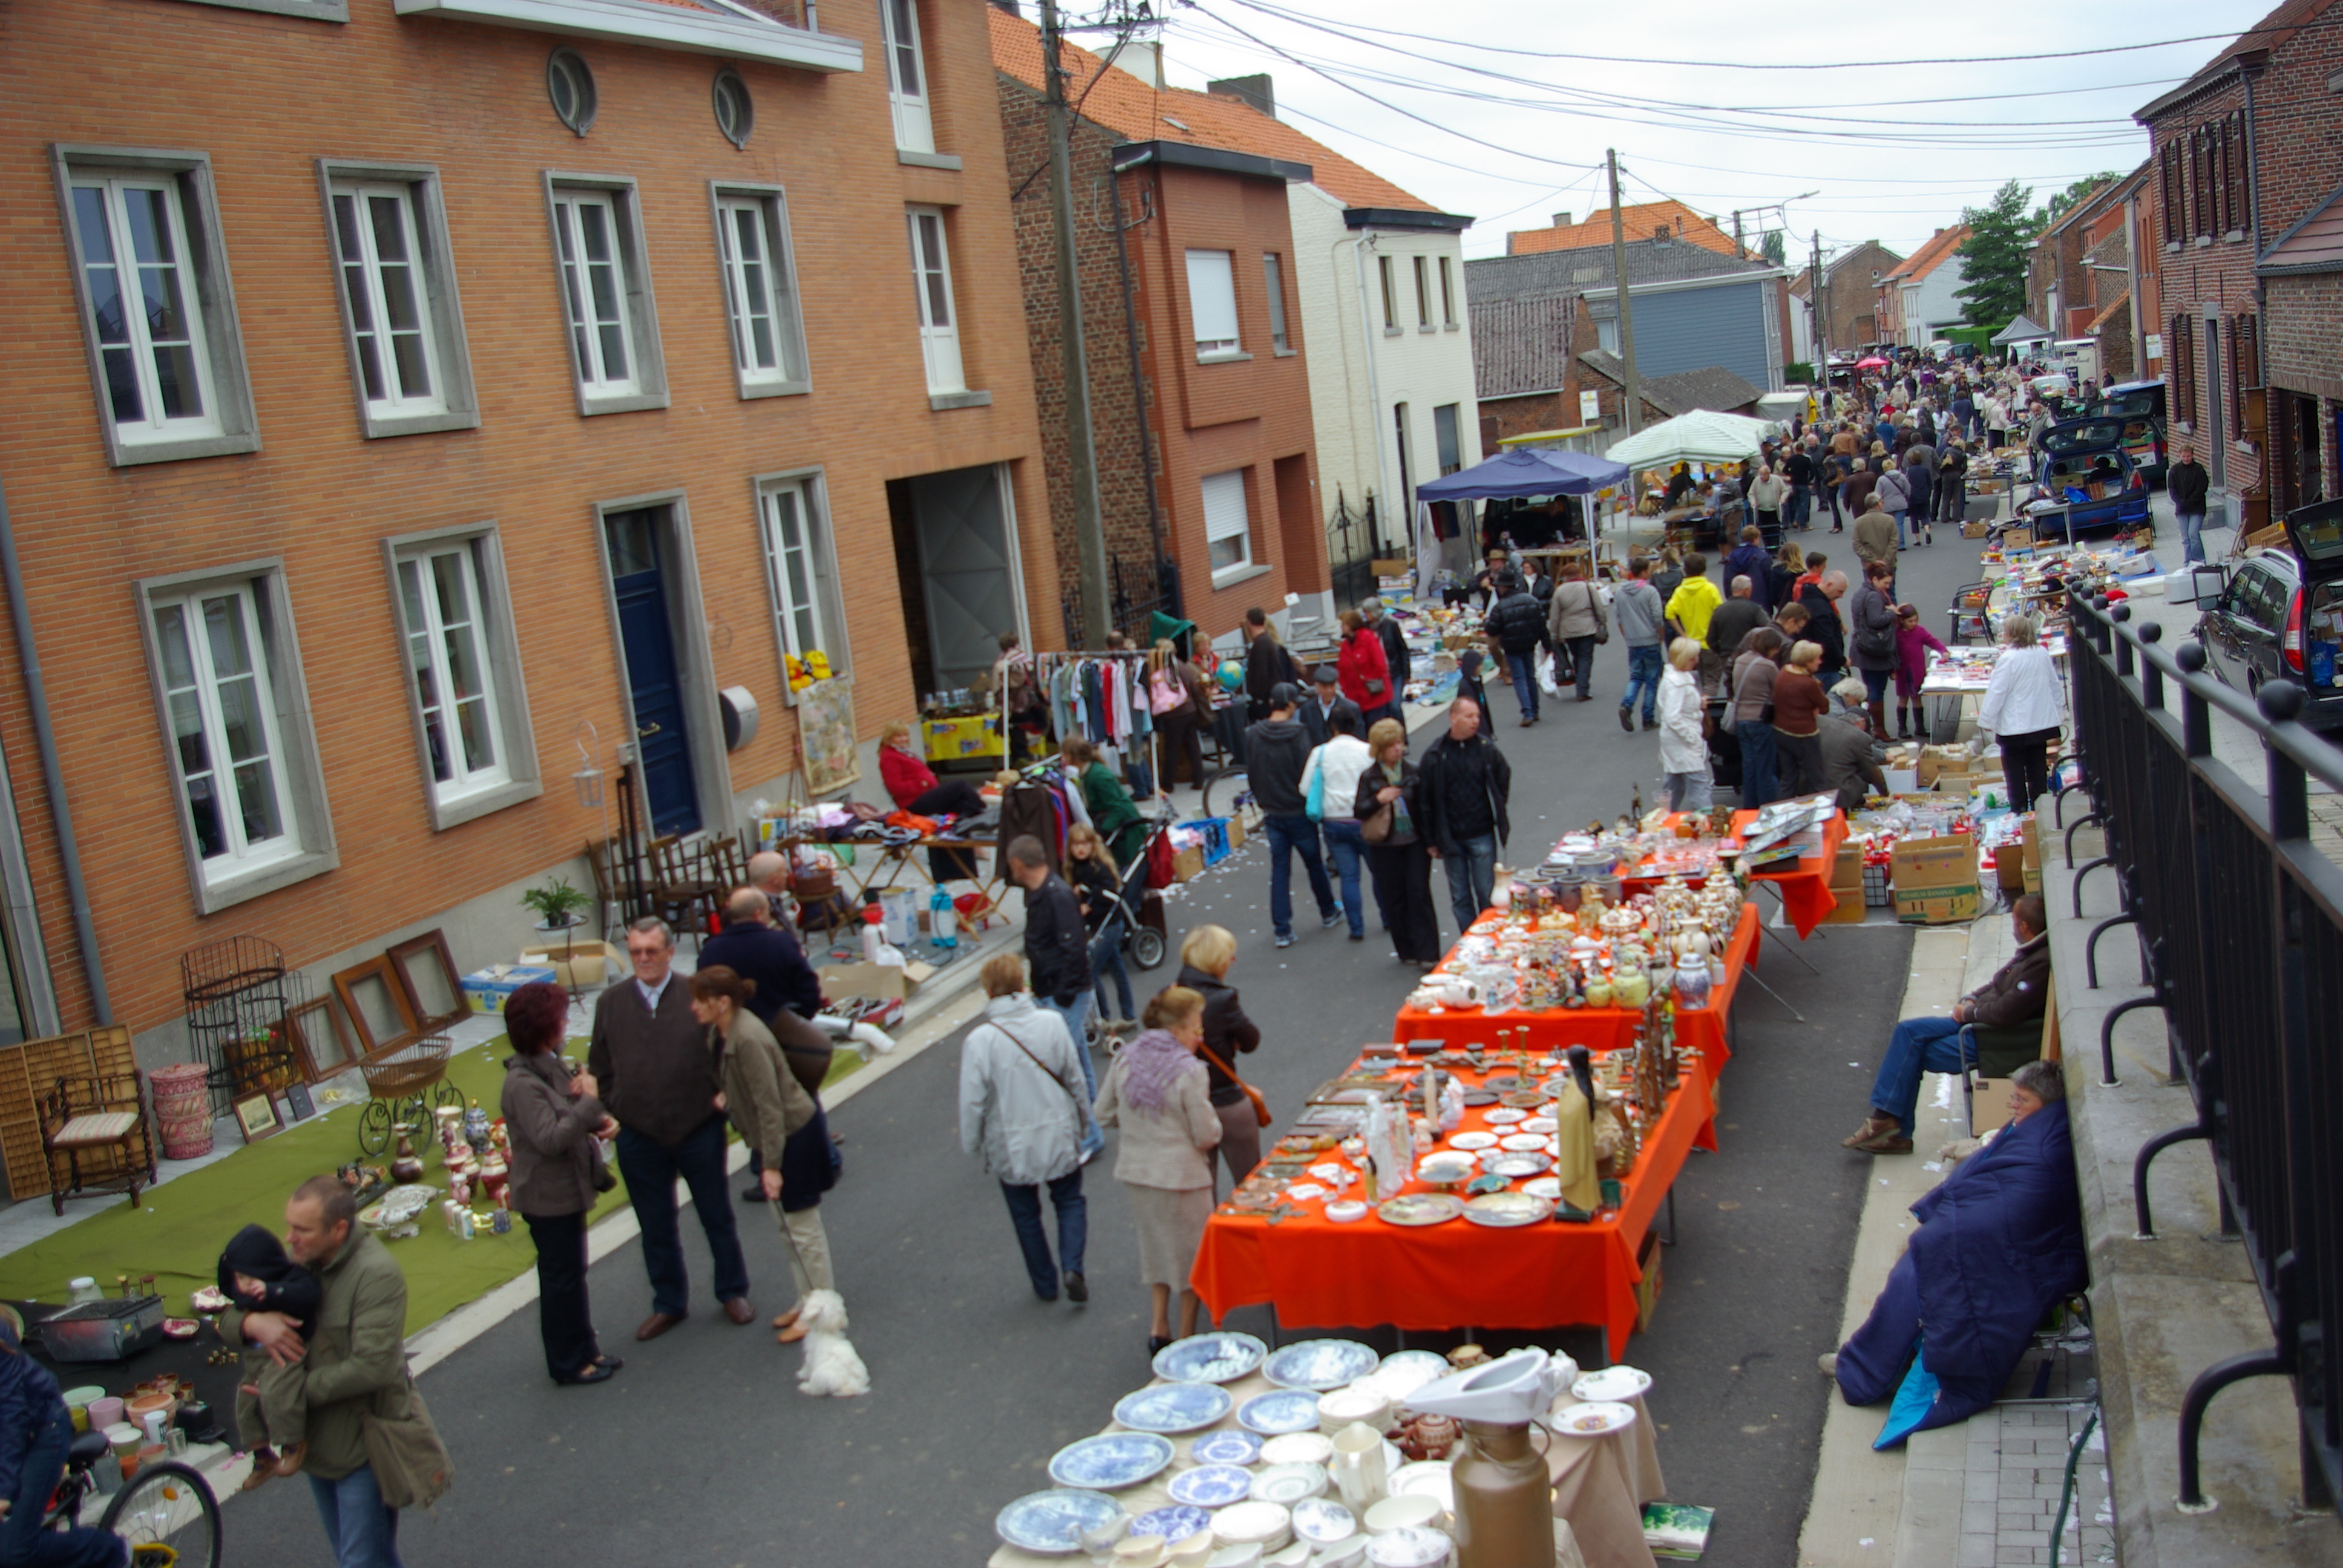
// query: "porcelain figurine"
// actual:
[[476, 1126]]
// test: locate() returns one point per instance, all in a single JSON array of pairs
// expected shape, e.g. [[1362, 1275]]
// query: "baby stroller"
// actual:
[[1140, 907]]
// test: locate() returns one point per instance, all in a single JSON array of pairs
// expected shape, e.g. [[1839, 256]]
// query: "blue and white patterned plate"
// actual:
[[1175, 1524], [1320, 1364], [1052, 1521], [1110, 1460], [1211, 1485], [1228, 1446], [1222, 1357], [1173, 1407], [1287, 1410]]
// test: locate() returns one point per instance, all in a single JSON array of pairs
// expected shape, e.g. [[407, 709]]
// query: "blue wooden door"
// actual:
[[646, 635]]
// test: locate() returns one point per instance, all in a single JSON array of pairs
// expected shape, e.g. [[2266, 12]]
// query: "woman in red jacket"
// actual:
[[912, 783], [1363, 671]]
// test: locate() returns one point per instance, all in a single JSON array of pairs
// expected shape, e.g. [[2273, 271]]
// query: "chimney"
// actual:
[[1255, 90], [1659, 233], [1561, 220], [1142, 57]]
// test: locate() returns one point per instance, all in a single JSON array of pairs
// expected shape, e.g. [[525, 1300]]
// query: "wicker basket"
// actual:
[[183, 1109], [406, 1073]]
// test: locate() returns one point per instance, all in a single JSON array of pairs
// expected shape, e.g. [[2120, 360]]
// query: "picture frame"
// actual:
[[378, 981], [296, 1096], [322, 1032], [435, 989], [255, 1116]]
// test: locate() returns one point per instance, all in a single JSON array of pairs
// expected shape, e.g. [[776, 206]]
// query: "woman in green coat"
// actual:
[[1112, 811]]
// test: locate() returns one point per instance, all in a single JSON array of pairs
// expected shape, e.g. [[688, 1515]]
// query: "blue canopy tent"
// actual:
[[1515, 475]]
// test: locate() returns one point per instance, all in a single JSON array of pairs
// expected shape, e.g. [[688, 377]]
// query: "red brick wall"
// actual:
[[267, 96]]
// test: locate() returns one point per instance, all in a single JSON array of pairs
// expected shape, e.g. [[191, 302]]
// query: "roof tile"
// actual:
[[1638, 221]]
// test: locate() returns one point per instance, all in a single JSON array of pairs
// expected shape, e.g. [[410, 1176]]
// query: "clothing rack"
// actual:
[[1047, 664]]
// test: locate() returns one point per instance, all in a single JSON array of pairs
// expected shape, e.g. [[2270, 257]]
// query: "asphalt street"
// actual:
[[703, 1452]]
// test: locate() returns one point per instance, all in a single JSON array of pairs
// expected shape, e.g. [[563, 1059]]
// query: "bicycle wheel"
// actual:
[[374, 1127], [167, 1505]]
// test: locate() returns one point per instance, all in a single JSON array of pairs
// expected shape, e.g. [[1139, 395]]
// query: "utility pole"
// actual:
[[1821, 307], [1089, 530], [1626, 316], [1739, 249]]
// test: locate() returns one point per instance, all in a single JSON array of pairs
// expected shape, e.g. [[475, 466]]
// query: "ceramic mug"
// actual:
[[1459, 990], [1358, 1466]]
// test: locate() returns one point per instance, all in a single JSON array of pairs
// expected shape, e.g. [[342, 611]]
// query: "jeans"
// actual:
[[1348, 846], [364, 1534], [1757, 762], [2192, 538], [1287, 836], [1924, 495], [1796, 508], [1582, 663], [651, 1169], [1525, 686], [1643, 672], [564, 1321], [1918, 1045], [1900, 540], [1106, 958], [22, 1539], [1691, 791], [1471, 878], [1074, 1229], [1074, 1015], [1874, 684]]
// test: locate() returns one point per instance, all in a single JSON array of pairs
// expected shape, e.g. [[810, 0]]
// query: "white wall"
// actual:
[[1932, 305], [1359, 373]]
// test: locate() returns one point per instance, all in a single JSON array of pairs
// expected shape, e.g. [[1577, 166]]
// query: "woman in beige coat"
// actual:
[[767, 1103], [1156, 1093]]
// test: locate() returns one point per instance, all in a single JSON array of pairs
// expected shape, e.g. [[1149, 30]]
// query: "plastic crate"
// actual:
[[1876, 892]]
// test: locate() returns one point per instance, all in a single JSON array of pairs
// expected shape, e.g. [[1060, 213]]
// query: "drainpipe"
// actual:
[[1374, 395], [52, 777]]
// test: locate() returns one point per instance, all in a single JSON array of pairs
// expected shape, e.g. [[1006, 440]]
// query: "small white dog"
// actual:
[[831, 1365]]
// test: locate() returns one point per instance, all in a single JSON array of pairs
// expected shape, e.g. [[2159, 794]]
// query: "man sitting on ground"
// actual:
[[2015, 996]]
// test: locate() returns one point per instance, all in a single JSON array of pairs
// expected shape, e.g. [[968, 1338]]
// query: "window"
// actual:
[[1391, 294], [2181, 342], [1212, 302], [1447, 292], [1273, 284], [462, 667], [2245, 370], [736, 112], [606, 295], [1228, 530], [1423, 293], [570, 85], [396, 280], [801, 570], [165, 357], [228, 680], [931, 281], [752, 246], [2168, 191], [1447, 437], [907, 83]]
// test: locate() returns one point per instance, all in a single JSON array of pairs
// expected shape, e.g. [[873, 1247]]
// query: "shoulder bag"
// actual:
[[1595, 603], [1765, 714], [411, 1465], [1260, 1105]]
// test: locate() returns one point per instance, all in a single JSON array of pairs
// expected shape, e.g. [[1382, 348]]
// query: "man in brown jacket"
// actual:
[[650, 1058], [356, 1362], [2016, 995], [1874, 535]]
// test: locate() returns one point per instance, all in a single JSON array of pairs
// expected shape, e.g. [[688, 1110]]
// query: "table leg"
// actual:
[[1785, 947], [1670, 1239], [1769, 990]]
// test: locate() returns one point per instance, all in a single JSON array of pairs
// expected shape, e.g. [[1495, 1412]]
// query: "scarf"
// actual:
[[1151, 1063]]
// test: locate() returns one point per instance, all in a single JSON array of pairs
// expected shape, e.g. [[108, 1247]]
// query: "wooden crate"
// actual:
[[31, 1069]]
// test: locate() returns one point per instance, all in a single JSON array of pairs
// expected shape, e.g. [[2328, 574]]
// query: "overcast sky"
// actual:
[[1885, 166]]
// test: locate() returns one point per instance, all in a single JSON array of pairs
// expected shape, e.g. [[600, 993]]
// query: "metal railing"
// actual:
[[2240, 929]]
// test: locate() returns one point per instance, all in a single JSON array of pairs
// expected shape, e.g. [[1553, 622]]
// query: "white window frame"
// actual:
[[899, 30], [1212, 315], [304, 847], [932, 288], [512, 777], [812, 594], [451, 403], [644, 383], [1218, 529], [214, 338], [775, 294], [1273, 278]]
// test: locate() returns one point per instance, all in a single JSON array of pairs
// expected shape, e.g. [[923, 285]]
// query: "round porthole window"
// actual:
[[736, 113], [570, 85]]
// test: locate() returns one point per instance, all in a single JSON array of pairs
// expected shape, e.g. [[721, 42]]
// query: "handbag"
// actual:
[[1377, 828], [411, 1466], [1313, 799], [1601, 622], [1260, 1105]]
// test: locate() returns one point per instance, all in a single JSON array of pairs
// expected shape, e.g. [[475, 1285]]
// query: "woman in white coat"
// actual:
[[1683, 730], [1023, 1107], [2025, 704]]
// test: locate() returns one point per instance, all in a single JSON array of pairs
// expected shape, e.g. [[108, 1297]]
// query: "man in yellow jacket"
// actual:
[[1689, 609]]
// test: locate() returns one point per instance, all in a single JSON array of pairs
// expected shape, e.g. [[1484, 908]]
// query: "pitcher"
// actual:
[[1358, 1466]]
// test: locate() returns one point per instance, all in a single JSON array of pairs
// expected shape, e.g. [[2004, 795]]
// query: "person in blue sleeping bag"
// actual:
[[2000, 1240]]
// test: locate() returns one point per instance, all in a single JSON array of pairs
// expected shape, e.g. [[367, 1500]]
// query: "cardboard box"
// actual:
[[1980, 529], [1936, 761], [1936, 880], [489, 990], [579, 966], [1236, 833], [1187, 864], [884, 981], [1846, 887], [2031, 857], [1988, 1103], [1392, 567]]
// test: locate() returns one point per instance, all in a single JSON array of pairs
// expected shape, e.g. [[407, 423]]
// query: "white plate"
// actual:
[[1321, 1521], [1346, 1210], [1613, 1384], [1540, 1124], [1514, 1165], [1505, 1116], [1303, 1192], [1544, 1187], [1521, 1142], [1265, 1524], [1328, 1171], [1426, 1478], [1288, 1484], [1473, 1141], [1297, 1448], [1594, 1420]]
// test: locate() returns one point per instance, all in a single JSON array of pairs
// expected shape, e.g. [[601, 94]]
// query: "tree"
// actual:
[[2074, 193], [1770, 246], [1993, 258]]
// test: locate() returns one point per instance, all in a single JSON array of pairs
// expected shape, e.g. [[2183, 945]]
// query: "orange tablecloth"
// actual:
[[1598, 1028], [1806, 895], [1319, 1274]]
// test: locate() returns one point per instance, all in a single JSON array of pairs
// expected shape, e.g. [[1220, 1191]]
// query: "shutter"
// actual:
[[1228, 531], [1213, 298]]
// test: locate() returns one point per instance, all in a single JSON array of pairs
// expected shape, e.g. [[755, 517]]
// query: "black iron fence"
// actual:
[[1354, 539], [2240, 929]]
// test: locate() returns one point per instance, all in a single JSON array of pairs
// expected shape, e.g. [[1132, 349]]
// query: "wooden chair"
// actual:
[[684, 890], [89, 1115]]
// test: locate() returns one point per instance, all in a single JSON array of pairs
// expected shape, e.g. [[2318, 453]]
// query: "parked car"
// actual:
[[2083, 463], [2280, 615], [2140, 405]]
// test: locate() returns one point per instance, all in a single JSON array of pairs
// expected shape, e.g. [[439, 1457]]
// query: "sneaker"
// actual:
[[1077, 1288], [1828, 1362], [1330, 921], [1285, 938], [1358, 936], [1628, 719], [1651, 723]]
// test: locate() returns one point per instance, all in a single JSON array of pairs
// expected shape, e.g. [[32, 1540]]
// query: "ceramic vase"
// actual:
[[405, 1166]]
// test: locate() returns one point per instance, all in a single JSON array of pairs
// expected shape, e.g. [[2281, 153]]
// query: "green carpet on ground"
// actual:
[[176, 1231]]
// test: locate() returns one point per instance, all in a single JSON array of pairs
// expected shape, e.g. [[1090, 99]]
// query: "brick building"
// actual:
[[1920, 297], [2059, 284], [1200, 309], [2243, 153], [504, 403], [1850, 304]]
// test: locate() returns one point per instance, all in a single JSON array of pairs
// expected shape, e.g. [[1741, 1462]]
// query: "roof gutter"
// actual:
[[53, 778]]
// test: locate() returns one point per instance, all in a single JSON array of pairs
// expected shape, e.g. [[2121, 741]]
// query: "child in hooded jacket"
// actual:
[[271, 1415], [1913, 642]]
